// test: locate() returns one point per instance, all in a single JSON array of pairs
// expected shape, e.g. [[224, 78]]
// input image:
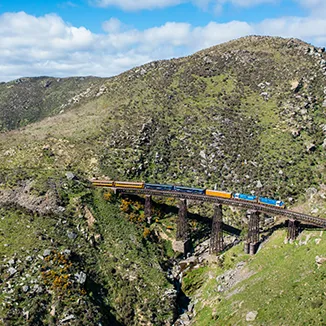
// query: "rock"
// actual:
[[11, 262], [320, 260], [202, 154], [311, 147], [71, 235], [185, 317], [80, 277], [311, 192], [37, 289], [240, 264], [97, 238], [191, 307], [61, 209], [259, 184], [143, 72], [12, 271], [52, 312], [29, 258], [70, 176], [295, 133], [220, 288], [67, 252], [251, 316], [26, 314], [70, 317], [46, 252], [25, 288]]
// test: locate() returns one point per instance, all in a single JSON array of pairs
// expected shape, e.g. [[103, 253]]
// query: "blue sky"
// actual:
[[106, 37]]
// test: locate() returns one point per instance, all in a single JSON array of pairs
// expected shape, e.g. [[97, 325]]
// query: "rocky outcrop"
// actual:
[[22, 197]]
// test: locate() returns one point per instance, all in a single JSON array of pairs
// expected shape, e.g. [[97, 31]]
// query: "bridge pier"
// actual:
[[253, 232], [182, 243], [148, 208], [182, 225], [293, 228], [216, 241]]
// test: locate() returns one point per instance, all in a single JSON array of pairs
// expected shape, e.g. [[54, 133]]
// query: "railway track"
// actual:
[[318, 221]]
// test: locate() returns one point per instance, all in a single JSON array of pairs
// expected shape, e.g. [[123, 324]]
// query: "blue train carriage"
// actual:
[[244, 197], [273, 202], [155, 186], [190, 190]]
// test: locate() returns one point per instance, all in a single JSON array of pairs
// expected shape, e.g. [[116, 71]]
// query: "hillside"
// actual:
[[282, 285], [248, 115], [26, 100]]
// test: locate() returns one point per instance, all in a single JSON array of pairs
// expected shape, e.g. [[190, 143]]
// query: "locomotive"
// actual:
[[190, 190]]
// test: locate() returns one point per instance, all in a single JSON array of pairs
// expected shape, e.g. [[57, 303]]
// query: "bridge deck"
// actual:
[[230, 202]]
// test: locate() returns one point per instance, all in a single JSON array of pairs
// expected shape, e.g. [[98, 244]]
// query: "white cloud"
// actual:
[[130, 5], [317, 7], [31, 46], [112, 25], [306, 28], [136, 4], [67, 4], [214, 33], [248, 3]]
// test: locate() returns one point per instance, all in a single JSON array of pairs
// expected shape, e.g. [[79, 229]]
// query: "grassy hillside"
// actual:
[[27, 100], [88, 264], [280, 285], [247, 115]]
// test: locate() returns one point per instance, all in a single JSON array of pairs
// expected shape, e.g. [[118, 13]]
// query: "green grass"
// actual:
[[127, 255], [155, 127], [286, 287]]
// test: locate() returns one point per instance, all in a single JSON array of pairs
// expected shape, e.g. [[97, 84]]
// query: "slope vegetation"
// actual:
[[248, 115], [281, 285]]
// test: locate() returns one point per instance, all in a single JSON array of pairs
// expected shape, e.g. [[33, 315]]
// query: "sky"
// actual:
[[106, 37]]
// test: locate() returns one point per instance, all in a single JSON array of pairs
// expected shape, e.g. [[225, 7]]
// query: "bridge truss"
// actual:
[[273, 210]]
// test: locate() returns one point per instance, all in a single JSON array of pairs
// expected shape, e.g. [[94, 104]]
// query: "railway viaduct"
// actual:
[[216, 239]]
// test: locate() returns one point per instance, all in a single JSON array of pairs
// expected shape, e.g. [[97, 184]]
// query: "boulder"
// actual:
[[68, 318], [80, 277], [311, 147], [320, 260], [12, 271], [70, 176], [71, 235], [46, 252], [251, 315]]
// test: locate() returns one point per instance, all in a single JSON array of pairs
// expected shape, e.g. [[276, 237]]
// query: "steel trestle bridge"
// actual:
[[273, 210]]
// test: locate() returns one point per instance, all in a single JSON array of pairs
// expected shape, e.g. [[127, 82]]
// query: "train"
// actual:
[[190, 190]]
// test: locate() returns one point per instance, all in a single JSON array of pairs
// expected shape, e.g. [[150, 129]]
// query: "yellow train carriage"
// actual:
[[103, 183], [127, 184], [217, 193]]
